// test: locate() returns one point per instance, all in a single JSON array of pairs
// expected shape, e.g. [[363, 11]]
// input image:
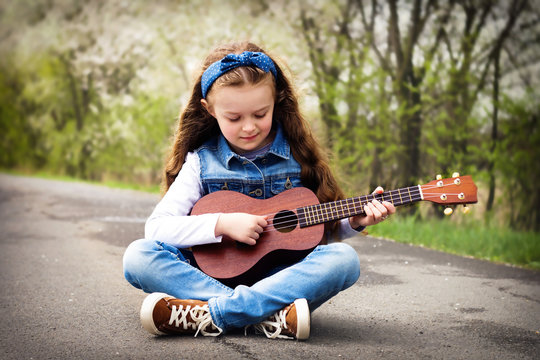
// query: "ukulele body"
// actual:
[[296, 224], [282, 242]]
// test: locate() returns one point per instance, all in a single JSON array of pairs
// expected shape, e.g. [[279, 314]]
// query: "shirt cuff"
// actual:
[[346, 229]]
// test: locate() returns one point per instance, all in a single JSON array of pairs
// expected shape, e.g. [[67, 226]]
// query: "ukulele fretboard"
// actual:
[[321, 213]]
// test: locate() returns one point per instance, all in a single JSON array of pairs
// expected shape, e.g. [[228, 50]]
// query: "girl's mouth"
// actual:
[[249, 138]]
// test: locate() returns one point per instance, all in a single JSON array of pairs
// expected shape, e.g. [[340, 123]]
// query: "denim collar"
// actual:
[[280, 147]]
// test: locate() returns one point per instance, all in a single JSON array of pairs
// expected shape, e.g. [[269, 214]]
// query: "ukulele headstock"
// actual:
[[451, 191]]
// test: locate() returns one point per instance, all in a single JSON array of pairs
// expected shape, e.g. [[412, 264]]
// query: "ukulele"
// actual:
[[296, 224]]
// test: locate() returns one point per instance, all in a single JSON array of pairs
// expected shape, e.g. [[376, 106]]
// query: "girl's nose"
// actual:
[[248, 126]]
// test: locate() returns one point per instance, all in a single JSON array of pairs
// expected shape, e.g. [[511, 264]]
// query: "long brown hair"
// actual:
[[196, 125]]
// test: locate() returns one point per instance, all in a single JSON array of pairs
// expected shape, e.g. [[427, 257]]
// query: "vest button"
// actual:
[[258, 192], [288, 184], [263, 161]]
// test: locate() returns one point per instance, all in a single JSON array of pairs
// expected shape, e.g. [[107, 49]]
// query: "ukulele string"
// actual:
[[290, 220]]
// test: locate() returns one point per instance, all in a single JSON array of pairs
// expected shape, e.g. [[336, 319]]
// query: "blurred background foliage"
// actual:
[[398, 91]]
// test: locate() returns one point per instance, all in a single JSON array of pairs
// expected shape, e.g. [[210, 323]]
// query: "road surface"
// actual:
[[64, 296]]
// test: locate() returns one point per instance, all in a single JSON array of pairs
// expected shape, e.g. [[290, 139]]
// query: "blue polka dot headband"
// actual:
[[232, 61]]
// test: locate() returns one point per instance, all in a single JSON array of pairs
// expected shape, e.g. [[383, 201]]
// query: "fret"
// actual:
[[356, 207], [365, 199], [330, 211], [343, 207], [313, 215], [361, 204], [392, 197], [401, 201], [310, 216], [410, 197], [331, 215]]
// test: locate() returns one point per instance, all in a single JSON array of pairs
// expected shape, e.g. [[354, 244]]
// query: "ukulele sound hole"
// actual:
[[285, 221]]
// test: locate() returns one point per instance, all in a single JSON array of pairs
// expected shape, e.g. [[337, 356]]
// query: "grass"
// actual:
[[109, 183], [470, 238]]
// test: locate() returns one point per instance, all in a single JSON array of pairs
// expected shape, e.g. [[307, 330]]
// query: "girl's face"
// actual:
[[244, 114]]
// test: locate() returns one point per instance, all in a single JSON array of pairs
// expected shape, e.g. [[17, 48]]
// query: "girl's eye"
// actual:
[[260, 116], [234, 119]]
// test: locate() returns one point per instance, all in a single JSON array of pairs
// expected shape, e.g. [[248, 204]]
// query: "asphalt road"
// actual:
[[63, 295]]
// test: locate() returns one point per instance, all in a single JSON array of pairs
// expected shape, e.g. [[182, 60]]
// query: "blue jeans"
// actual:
[[157, 267]]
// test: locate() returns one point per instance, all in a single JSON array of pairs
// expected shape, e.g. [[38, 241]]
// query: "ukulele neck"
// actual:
[[321, 213]]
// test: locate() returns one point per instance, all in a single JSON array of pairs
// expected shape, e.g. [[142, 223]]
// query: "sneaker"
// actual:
[[162, 314], [291, 322]]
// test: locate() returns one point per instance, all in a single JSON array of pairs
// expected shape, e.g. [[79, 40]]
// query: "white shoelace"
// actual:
[[277, 322], [201, 319]]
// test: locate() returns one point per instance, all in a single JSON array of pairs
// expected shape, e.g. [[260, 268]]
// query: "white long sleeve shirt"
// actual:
[[171, 223]]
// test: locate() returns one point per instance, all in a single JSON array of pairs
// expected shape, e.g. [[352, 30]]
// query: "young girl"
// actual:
[[241, 130]]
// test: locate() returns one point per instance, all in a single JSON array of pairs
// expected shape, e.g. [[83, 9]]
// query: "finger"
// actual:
[[376, 212], [390, 207], [249, 241], [378, 190], [367, 210], [379, 206], [262, 221]]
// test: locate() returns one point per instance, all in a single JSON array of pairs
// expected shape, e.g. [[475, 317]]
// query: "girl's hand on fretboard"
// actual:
[[375, 212]]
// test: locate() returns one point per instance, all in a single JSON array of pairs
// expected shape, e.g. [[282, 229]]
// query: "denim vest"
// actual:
[[262, 178]]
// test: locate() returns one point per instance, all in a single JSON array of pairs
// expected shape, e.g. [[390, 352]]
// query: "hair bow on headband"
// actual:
[[232, 61]]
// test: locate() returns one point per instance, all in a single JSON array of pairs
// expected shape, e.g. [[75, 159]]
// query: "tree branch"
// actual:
[[441, 33], [369, 30], [395, 36]]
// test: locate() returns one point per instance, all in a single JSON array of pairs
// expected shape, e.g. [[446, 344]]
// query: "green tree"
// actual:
[[517, 152]]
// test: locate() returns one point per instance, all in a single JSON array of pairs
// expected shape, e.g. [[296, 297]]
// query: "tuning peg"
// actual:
[[448, 211], [465, 209], [456, 174], [439, 177]]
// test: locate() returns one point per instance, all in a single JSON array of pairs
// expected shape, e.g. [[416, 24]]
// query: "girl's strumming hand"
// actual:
[[375, 212], [241, 227]]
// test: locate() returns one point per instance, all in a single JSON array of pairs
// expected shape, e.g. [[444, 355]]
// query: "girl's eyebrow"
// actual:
[[266, 107], [263, 108]]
